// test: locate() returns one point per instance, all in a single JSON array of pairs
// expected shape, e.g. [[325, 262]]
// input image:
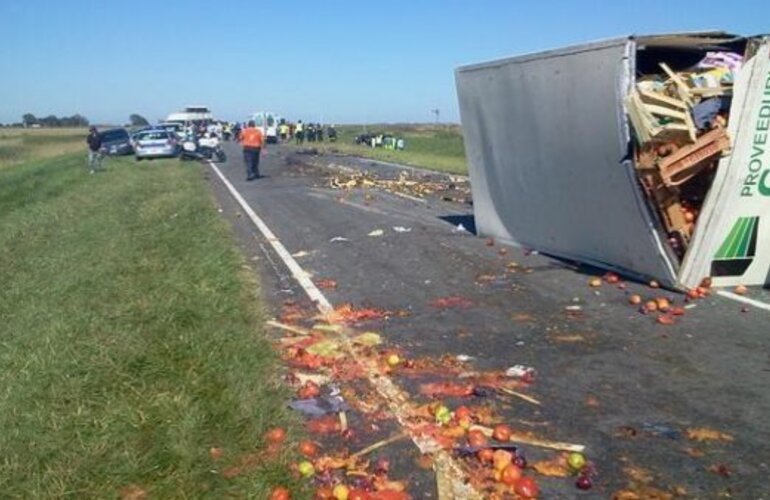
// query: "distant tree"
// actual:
[[50, 121], [75, 120], [28, 119], [138, 120]]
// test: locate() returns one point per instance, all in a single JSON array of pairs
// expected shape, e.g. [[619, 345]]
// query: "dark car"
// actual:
[[116, 141]]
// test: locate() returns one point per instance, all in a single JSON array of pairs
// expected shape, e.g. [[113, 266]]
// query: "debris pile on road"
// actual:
[[680, 124], [344, 382], [455, 189]]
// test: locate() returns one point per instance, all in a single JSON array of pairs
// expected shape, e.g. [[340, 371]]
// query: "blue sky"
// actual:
[[345, 62]]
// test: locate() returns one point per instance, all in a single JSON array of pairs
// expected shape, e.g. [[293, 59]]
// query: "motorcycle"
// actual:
[[203, 149]]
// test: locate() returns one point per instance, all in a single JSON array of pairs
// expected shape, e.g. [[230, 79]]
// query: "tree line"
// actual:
[[76, 120]]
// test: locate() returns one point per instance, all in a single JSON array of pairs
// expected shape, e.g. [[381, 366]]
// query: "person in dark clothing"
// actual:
[[94, 141]]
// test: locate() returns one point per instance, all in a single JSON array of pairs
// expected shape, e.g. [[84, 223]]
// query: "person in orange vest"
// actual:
[[252, 142]]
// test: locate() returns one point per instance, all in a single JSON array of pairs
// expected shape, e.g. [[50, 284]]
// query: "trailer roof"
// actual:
[[703, 39]]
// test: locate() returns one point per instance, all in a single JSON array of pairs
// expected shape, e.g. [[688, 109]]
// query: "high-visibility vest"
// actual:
[[299, 127], [251, 138]]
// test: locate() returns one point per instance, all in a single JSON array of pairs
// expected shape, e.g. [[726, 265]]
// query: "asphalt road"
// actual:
[[609, 377]]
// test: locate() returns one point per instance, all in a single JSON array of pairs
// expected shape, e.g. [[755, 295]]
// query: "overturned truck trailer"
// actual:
[[647, 155]]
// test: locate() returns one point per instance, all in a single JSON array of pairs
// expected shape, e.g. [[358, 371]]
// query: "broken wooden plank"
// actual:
[[525, 397], [540, 443], [379, 444], [662, 98], [289, 328], [664, 111], [682, 88]]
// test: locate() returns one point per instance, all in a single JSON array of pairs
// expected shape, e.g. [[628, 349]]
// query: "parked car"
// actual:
[[116, 141], [155, 143]]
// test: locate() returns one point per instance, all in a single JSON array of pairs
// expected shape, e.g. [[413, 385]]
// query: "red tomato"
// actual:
[[486, 455], [463, 412], [526, 487], [477, 438], [356, 494], [502, 433], [280, 493], [510, 475], [308, 448], [276, 435]]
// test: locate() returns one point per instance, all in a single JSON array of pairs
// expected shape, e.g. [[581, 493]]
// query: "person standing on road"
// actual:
[[299, 132], [252, 142], [94, 141]]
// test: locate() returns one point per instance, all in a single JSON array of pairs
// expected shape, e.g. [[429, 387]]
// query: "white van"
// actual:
[[268, 122]]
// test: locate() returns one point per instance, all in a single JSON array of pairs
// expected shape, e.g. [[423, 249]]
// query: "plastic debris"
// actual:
[[402, 229], [338, 238], [376, 232], [520, 371]]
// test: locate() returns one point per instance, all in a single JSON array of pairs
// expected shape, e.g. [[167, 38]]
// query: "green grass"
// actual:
[[434, 147], [19, 145], [131, 337]]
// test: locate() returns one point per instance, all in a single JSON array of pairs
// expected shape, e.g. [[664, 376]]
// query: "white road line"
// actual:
[[745, 300], [299, 274]]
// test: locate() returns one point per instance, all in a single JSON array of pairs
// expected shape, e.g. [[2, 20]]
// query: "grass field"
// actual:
[[131, 336], [435, 147], [18, 145]]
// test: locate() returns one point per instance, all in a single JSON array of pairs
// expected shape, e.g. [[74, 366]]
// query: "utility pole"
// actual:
[[437, 113]]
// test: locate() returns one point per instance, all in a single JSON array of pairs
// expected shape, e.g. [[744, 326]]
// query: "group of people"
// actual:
[[312, 132]]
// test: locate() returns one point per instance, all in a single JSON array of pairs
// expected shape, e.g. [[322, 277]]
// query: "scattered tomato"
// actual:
[[341, 492], [678, 311], [611, 278], [309, 390], [527, 487], [486, 455], [666, 319], [443, 414], [576, 460], [393, 360], [324, 493], [692, 294], [308, 448], [306, 468], [357, 494], [741, 290], [502, 433], [510, 475], [584, 483], [635, 300], [476, 438], [651, 306], [654, 284], [663, 304], [280, 493], [502, 459], [595, 282], [463, 412], [276, 435]]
